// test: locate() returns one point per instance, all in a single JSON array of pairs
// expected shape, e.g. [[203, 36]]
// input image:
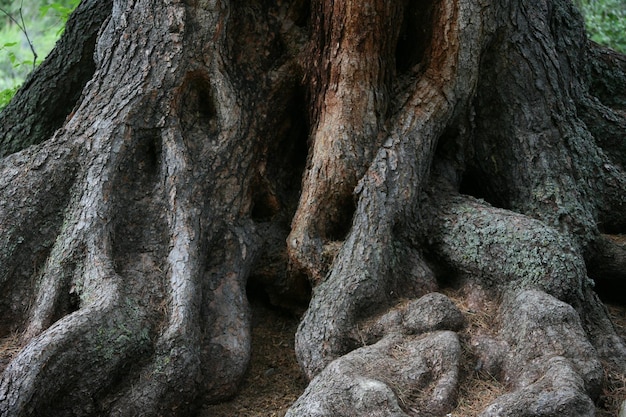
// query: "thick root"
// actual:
[[398, 376], [474, 238], [63, 371], [552, 368]]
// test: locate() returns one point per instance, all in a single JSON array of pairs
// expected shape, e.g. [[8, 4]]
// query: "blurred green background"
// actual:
[[606, 22], [44, 21]]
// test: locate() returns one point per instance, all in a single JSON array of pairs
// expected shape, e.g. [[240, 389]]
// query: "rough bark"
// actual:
[[54, 88], [378, 152]]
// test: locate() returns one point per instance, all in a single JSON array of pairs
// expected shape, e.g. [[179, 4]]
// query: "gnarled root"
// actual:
[[401, 374], [550, 366]]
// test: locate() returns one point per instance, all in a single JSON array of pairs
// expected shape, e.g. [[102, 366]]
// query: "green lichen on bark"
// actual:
[[503, 249]]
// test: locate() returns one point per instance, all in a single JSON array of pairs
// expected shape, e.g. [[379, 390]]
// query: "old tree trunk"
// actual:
[[385, 154]]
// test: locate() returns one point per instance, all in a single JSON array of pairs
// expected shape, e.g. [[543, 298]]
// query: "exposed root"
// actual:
[[564, 348], [398, 376], [30, 219], [103, 330], [475, 238], [367, 274], [139, 287], [273, 381]]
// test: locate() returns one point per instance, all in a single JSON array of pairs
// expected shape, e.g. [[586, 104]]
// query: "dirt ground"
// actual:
[[274, 380]]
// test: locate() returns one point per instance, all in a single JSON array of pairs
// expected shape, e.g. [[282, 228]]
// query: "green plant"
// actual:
[[22, 26], [6, 95], [606, 22], [25, 31], [61, 10]]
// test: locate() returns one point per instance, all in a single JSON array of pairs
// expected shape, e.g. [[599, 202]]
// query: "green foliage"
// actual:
[[606, 22], [6, 95], [28, 32], [62, 11]]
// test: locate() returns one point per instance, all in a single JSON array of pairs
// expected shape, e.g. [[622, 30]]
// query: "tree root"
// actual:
[[103, 331], [139, 286], [471, 235], [397, 376], [550, 365]]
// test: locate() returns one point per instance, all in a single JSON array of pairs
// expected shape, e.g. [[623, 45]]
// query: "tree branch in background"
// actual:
[[22, 27]]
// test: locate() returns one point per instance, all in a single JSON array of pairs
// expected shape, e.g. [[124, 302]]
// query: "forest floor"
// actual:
[[615, 391], [274, 380]]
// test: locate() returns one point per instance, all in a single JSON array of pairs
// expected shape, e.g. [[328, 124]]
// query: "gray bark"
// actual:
[[377, 153]]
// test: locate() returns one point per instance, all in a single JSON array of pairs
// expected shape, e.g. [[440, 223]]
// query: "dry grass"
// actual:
[[614, 392], [476, 393], [477, 389], [9, 347]]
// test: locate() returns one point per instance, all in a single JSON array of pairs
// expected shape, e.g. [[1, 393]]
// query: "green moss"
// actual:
[[126, 328], [504, 249], [160, 364]]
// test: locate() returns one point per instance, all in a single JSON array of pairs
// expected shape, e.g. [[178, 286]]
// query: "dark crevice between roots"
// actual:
[[415, 35], [258, 295], [611, 291], [609, 283], [606, 265], [474, 185], [451, 167], [613, 229], [283, 156], [477, 183], [265, 205], [275, 194], [473, 179], [302, 13], [253, 39], [340, 223], [68, 300]]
